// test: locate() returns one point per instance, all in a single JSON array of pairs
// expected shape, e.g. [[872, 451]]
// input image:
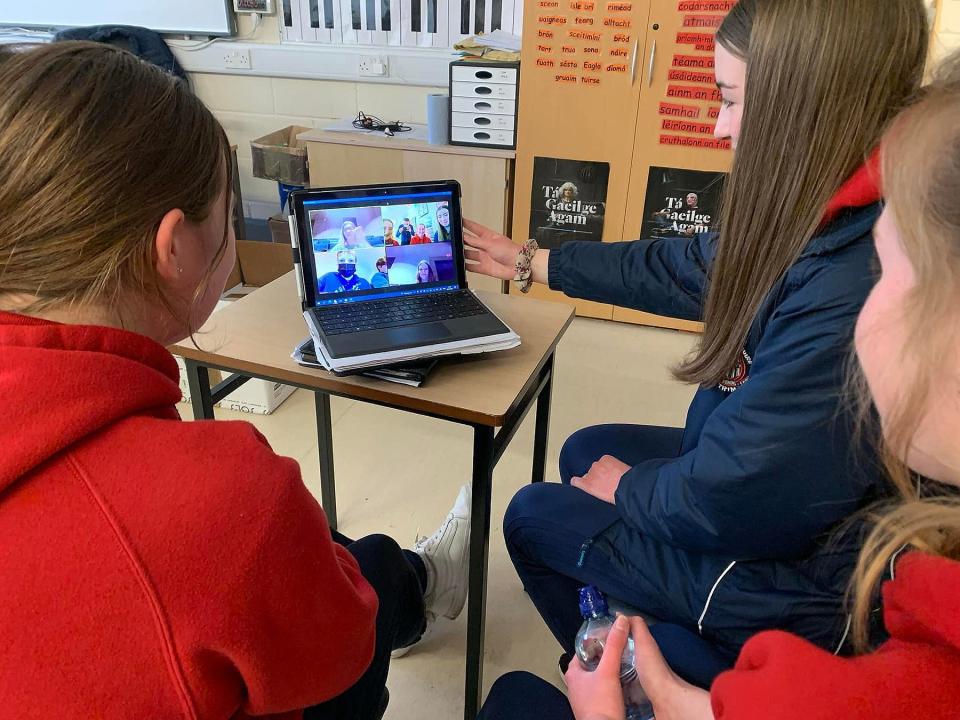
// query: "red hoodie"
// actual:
[[914, 676], [153, 568]]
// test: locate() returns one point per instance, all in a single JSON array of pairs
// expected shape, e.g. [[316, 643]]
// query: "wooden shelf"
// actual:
[[398, 142]]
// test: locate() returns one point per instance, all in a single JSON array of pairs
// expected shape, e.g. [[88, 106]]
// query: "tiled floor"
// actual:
[[398, 473]]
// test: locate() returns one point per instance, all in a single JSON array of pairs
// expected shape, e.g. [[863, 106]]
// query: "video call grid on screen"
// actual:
[[398, 245]]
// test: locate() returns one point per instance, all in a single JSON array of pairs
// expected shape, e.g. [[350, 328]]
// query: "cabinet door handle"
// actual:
[[633, 62], [653, 58]]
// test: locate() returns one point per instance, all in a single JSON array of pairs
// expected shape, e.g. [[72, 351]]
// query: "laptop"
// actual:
[[381, 275]]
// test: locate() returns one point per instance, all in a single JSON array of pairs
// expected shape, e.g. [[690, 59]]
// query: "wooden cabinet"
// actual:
[[572, 109], [485, 174]]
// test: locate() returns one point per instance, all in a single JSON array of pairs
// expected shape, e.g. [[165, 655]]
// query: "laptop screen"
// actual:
[[377, 246]]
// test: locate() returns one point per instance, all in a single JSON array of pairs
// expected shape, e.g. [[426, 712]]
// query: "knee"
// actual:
[[524, 511], [523, 695], [579, 452], [380, 559]]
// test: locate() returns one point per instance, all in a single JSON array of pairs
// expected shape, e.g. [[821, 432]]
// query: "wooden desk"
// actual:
[[256, 334]]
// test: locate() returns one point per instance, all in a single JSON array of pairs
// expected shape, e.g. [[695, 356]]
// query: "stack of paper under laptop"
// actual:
[[358, 363]]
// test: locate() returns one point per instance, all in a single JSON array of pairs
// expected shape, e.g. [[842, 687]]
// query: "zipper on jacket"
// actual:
[[584, 549], [706, 607]]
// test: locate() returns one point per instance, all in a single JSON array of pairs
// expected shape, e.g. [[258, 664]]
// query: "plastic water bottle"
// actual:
[[589, 644]]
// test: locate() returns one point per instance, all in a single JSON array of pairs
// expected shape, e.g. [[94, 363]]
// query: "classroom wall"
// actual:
[[948, 32], [250, 107]]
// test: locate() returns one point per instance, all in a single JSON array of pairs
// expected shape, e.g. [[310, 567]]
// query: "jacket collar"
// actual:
[[852, 212]]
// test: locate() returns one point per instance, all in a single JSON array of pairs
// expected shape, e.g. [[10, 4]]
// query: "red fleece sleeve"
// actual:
[[298, 621], [781, 677]]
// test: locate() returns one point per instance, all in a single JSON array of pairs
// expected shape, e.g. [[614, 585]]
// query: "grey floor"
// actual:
[[398, 474]]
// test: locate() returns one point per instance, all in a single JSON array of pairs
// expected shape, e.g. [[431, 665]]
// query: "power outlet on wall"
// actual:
[[374, 66], [236, 59]]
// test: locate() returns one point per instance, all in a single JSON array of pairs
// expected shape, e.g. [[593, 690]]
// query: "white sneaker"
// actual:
[[446, 554]]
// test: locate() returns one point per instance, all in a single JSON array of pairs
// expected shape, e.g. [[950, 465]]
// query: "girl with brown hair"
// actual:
[[908, 347], [724, 528], [153, 568]]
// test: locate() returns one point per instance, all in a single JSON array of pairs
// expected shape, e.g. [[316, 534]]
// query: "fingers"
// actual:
[[616, 642], [574, 669], [577, 482], [476, 228], [650, 663]]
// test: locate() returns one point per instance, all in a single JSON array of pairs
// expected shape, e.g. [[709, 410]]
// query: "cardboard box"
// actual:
[[258, 397], [259, 263], [279, 229], [280, 156]]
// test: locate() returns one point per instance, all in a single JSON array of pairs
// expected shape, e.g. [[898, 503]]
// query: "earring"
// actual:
[[179, 269]]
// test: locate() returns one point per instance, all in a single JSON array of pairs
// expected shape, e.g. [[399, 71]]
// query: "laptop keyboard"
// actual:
[[395, 312]]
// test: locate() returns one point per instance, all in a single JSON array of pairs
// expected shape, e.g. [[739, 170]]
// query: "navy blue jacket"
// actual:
[[766, 473]]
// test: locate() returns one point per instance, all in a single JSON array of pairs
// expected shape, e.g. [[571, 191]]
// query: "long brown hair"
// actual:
[[824, 78], [96, 146], [921, 174]]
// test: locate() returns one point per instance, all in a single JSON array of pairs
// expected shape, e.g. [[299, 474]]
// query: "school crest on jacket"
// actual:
[[739, 375]]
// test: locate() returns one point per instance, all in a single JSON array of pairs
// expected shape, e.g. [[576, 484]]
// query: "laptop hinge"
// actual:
[[297, 260]]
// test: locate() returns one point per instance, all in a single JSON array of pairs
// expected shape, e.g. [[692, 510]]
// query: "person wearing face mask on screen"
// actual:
[[345, 279]]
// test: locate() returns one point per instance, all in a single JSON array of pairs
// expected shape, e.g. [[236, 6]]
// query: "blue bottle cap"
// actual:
[[592, 602]]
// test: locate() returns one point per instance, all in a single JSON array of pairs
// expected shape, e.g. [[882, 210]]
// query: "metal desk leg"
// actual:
[[542, 432], [328, 494], [479, 547], [199, 381]]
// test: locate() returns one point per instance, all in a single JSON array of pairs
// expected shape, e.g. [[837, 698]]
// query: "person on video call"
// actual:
[[443, 220], [381, 279], [345, 279], [388, 238], [352, 237], [405, 231], [422, 237], [425, 273]]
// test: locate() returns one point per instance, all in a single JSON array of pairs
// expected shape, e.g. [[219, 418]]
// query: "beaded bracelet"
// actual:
[[524, 276]]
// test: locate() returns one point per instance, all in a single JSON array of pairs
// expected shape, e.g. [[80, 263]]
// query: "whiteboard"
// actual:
[[202, 17]]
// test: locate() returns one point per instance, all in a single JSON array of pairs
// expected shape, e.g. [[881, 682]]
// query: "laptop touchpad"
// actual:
[[417, 334]]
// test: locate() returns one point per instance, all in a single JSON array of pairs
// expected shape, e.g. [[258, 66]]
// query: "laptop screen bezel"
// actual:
[[299, 205]]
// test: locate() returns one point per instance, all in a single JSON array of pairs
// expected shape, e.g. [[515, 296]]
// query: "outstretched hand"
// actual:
[[488, 252]]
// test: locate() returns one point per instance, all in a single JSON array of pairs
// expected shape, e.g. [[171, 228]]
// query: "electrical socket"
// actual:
[[236, 59], [374, 66]]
